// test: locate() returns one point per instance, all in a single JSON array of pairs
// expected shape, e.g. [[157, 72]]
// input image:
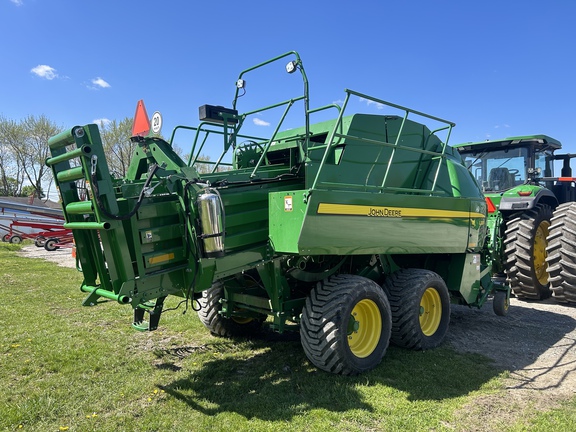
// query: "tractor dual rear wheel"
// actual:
[[561, 251], [346, 325], [525, 253], [420, 304]]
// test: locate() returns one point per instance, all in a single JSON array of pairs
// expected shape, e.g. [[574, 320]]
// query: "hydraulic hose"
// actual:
[[151, 171]]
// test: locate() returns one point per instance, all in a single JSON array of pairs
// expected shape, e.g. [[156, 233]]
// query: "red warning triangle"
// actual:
[[141, 124]]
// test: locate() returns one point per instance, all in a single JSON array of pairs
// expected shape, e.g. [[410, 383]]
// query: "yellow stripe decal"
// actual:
[[393, 212], [161, 258]]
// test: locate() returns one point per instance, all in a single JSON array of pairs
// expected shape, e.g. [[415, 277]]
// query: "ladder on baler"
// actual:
[[102, 247]]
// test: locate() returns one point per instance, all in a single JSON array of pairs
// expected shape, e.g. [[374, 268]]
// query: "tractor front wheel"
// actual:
[[420, 308], [346, 325], [525, 250], [561, 251], [209, 314], [6, 238], [501, 303]]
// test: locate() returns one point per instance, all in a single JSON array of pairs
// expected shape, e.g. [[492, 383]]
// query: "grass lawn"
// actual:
[[67, 367]]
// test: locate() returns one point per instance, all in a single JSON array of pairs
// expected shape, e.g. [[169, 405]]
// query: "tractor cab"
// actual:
[[501, 165]]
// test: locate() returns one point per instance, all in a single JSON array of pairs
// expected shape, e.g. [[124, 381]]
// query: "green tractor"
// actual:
[[356, 231], [517, 177]]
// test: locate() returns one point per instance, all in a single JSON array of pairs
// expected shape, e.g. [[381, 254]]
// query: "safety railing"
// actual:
[[336, 138], [230, 130]]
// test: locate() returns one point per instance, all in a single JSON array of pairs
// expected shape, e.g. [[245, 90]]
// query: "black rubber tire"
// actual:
[[50, 244], [218, 325], [562, 253], [500, 303], [15, 239], [332, 338], [6, 238], [420, 304], [40, 241], [525, 247]]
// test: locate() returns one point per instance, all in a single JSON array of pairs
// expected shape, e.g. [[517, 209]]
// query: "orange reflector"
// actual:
[[524, 193], [566, 179], [141, 125], [491, 206]]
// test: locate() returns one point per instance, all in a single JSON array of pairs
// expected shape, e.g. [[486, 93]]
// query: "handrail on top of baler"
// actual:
[[199, 129], [407, 111], [268, 141], [235, 128], [300, 67]]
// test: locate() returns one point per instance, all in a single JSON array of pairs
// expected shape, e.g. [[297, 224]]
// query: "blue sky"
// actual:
[[495, 68]]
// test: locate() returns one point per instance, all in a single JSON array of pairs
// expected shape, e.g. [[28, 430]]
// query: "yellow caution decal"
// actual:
[[161, 258]]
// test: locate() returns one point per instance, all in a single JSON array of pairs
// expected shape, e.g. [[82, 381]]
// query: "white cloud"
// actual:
[[501, 126], [100, 83], [45, 71], [369, 102], [17, 2], [102, 122], [260, 122]]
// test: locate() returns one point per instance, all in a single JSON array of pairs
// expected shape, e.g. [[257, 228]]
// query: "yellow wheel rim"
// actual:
[[240, 320], [430, 311], [365, 328], [539, 252]]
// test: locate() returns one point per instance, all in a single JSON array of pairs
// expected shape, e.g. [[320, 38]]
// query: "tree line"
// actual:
[[24, 150]]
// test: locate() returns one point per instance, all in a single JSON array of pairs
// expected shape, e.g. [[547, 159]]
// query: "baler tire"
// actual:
[[420, 304], [40, 241], [218, 325], [561, 251], [500, 303], [15, 239], [50, 244], [525, 247], [6, 238], [346, 324]]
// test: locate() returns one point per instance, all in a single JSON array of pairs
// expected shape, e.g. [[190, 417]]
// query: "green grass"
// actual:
[[67, 367]]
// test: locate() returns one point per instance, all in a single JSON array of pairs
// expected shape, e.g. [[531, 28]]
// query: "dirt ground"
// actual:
[[536, 342]]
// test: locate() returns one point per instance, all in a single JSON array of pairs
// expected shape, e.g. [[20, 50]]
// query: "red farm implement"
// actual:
[[43, 225], [51, 236]]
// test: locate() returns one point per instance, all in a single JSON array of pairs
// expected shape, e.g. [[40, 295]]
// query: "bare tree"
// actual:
[[117, 145], [33, 151], [11, 168]]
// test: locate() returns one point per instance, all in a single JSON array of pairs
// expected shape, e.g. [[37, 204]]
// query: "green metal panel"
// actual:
[[366, 223], [287, 211], [246, 212], [464, 276]]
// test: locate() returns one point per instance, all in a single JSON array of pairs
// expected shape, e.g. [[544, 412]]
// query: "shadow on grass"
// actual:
[[272, 379]]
